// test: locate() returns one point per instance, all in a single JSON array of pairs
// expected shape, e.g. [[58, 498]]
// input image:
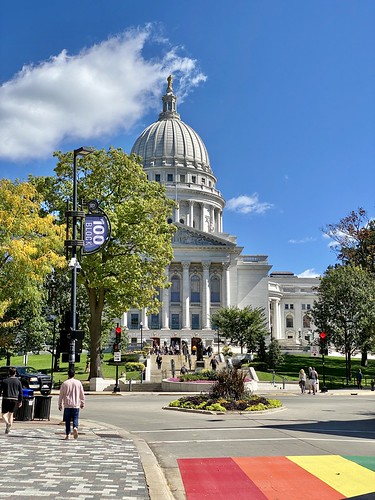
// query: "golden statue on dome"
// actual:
[[170, 80]]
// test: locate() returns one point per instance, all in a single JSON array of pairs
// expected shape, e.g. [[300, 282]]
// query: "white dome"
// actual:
[[171, 141]]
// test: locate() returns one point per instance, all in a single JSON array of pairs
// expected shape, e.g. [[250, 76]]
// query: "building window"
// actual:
[[182, 177], [291, 306], [215, 289], [193, 179], [157, 177], [306, 321], [182, 221], [175, 289], [195, 284], [195, 321], [169, 221], [155, 321], [289, 321], [134, 321], [169, 177], [303, 307], [175, 321], [133, 340], [286, 306], [203, 180], [308, 306]]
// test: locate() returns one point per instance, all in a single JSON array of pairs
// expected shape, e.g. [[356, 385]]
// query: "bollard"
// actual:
[[130, 384]]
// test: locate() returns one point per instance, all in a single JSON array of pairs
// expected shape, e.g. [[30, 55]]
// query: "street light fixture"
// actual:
[[74, 264]]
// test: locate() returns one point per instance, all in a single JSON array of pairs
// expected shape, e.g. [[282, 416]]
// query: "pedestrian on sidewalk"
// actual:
[[359, 379], [159, 361], [11, 390], [72, 398], [302, 380], [313, 380]]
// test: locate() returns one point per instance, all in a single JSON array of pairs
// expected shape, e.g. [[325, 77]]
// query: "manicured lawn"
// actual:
[[334, 369], [43, 362]]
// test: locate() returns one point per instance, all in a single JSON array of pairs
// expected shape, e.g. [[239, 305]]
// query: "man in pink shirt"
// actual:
[[72, 397]]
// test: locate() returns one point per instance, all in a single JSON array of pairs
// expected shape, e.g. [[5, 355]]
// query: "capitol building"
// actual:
[[209, 270]]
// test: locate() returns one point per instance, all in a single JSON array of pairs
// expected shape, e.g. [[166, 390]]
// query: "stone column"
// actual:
[[177, 213], [185, 296], [166, 305], [144, 319], [226, 283], [277, 330], [212, 219], [206, 299], [191, 213], [124, 320]]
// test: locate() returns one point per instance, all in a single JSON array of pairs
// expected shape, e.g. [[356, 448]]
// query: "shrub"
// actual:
[[134, 367], [202, 375], [230, 384], [207, 402]]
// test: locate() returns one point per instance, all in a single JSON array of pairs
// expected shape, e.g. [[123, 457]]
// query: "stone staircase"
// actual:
[[166, 368]]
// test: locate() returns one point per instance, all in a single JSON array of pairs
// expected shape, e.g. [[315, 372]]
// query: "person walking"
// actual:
[[313, 380], [159, 361], [11, 391], [359, 379], [72, 398], [214, 363], [302, 380]]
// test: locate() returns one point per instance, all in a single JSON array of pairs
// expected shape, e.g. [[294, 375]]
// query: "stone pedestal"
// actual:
[[199, 366]]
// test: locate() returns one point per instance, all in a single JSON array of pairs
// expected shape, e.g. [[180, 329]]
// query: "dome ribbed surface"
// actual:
[[171, 141]]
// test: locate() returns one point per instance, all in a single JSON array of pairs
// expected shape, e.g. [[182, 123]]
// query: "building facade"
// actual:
[[209, 270]]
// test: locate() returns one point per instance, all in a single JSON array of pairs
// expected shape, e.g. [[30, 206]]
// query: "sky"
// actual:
[[282, 92]]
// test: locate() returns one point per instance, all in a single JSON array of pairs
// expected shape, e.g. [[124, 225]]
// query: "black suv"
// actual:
[[30, 378]]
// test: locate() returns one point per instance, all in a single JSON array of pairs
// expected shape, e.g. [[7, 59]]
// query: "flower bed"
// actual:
[[206, 402]]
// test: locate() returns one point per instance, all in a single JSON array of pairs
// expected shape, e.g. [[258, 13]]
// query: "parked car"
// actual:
[[239, 359], [30, 378]]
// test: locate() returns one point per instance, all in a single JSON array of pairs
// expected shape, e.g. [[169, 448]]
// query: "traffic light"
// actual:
[[116, 345], [323, 345]]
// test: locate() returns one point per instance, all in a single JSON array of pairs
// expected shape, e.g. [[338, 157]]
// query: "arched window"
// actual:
[[289, 321], [306, 321], [175, 288], [215, 289], [195, 288]]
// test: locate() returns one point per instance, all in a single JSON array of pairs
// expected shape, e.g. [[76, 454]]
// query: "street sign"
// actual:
[[117, 356], [314, 350]]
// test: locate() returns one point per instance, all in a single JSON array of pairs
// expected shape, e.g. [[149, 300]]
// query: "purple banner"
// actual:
[[96, 232]]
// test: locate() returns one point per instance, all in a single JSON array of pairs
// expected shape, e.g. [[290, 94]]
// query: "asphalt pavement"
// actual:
[[104, 462]]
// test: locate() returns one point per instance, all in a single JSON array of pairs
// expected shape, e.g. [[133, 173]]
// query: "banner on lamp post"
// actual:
[[96, 232]]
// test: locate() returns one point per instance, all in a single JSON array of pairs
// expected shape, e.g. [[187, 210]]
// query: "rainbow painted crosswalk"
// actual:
[[317, 477]]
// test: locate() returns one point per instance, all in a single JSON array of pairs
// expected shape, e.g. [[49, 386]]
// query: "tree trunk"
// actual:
[[96, 301], [364, 358]]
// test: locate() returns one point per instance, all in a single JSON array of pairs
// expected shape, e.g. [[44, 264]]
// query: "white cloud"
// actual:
[[309, 273], [248, 204], [308, 239], [109, 86]]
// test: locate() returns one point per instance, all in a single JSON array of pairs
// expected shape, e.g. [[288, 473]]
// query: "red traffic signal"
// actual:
[[118, 330], [323, 335]]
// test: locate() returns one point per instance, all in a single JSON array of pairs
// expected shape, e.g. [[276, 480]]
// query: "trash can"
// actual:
[[26, 412], [42, 410]]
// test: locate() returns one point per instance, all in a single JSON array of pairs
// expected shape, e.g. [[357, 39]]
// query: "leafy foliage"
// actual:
[[131, 268], [345, 309], [244, 327], [354, 236], [274, 356], [30, 246]]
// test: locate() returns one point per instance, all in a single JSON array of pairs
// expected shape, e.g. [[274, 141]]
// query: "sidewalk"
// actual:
[[36, 462]]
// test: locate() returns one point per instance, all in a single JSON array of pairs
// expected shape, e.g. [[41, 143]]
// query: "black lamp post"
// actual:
[[74, 264]]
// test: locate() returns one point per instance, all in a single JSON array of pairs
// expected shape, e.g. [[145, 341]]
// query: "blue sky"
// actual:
[[282, 92]]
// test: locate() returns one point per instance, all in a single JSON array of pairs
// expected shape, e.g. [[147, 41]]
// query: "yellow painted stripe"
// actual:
[[345, 476]]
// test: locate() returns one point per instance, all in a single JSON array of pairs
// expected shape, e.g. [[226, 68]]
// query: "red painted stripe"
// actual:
[[216, 479], [278, 477]]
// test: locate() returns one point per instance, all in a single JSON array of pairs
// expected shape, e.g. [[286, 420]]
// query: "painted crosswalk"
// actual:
[[318, 477]]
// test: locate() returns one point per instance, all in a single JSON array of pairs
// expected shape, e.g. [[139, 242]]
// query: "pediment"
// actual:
[[188, 236]]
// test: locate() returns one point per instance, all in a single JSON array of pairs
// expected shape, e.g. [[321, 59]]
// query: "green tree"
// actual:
[[30, 247], [244, 327], [345, 310], [354, 237], [130, 269], [274, 356]]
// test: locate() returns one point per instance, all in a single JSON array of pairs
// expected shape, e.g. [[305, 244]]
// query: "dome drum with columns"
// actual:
[[209, 270]]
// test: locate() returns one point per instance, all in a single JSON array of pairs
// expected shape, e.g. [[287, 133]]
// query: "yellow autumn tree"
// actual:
[[31, 245]]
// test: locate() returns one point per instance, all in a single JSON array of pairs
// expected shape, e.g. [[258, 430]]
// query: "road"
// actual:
[[326, 424]]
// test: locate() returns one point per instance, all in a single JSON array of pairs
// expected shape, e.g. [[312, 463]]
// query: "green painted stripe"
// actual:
[[368, 462]]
